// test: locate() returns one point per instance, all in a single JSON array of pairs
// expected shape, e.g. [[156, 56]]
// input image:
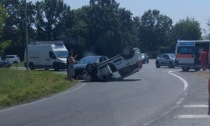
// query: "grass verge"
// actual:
[[18, 86]]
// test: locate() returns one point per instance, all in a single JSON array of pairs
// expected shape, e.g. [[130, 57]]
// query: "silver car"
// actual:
[[166, 59]]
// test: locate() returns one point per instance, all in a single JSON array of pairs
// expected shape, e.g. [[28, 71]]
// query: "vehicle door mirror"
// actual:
[[52, 55]]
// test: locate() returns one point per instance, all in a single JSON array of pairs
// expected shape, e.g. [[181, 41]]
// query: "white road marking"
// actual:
[[202, 116], [177, 103], [195, 106], [42, 100], [183, 80]]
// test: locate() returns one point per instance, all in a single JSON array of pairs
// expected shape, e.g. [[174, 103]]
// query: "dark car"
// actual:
[[145, 58], [4, 63], [166, 59], [80, 66]]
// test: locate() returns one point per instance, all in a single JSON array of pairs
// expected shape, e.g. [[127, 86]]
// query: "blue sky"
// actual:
[[175, 9]]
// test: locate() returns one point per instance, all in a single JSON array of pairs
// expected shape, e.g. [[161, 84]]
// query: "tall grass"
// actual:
[[17, 86]]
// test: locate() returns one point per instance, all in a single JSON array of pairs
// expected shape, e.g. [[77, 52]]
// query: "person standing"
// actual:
[[70, 66], [204, 59]]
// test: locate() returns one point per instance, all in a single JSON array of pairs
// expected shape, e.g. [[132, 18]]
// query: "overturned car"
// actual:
[[115, 68]]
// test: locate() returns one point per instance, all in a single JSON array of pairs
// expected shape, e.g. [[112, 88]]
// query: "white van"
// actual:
[[188, 52], [47, 54]]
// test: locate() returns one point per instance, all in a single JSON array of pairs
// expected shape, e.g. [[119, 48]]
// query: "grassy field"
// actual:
[[18, 86]]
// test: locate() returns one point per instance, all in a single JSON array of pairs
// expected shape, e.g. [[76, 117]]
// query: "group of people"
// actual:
[[70, 66]]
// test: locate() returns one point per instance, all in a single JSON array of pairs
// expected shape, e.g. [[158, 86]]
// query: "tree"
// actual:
[[153, 30], [14, 29], [104, 27], [186, 29], [3, 44], [51, 19], [3, 16]]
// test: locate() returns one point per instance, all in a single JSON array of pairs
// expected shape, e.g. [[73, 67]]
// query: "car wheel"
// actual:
[[157, 65], [90, 68], [87, 77], [185, 69], [127, 52]]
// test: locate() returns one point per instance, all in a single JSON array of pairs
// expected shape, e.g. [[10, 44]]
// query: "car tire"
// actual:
[[157, 65], [87, 77], [90, 68], [127, 52]]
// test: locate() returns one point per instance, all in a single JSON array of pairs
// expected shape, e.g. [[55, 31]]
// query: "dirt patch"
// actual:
[[203, 73]]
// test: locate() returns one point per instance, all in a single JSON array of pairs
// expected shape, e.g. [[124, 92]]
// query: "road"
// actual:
[[151, 97]]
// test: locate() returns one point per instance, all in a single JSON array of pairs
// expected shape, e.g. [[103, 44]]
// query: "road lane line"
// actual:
[[195, 106], [202, 116], [183, 80], [45, 99], [177, 103]]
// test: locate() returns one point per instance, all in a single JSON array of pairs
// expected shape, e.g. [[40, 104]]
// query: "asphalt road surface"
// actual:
[[151, 97]]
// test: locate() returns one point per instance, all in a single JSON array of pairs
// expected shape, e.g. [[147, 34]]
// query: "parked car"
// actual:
[[13, 58], [80, 66], [4, 63], [145, 58], [115, 68], [166, 59]]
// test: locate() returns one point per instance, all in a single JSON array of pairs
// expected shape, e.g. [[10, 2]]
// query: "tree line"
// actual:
[[102, 27]]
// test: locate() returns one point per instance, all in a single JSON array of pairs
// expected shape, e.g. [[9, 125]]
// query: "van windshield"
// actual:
[[61, 54], [185, 50]]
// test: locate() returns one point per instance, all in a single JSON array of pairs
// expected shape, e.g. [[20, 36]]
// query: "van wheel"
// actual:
[[56, 68], [127, 52], [31, 66], [185, 69], [197, 68]]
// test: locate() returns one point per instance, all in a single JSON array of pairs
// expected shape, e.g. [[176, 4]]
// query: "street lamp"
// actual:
[[26, 30]]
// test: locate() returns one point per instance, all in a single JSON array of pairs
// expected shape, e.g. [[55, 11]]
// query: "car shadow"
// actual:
[[123, 80]]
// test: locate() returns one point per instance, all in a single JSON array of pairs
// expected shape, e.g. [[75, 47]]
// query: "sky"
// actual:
[[175, 9]]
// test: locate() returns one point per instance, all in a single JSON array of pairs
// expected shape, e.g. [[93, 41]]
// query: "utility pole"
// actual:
[[26, 30]]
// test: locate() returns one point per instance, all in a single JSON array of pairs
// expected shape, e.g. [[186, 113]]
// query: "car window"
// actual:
[[161, 56], [166, 56], [101, 59], [89, 59]]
